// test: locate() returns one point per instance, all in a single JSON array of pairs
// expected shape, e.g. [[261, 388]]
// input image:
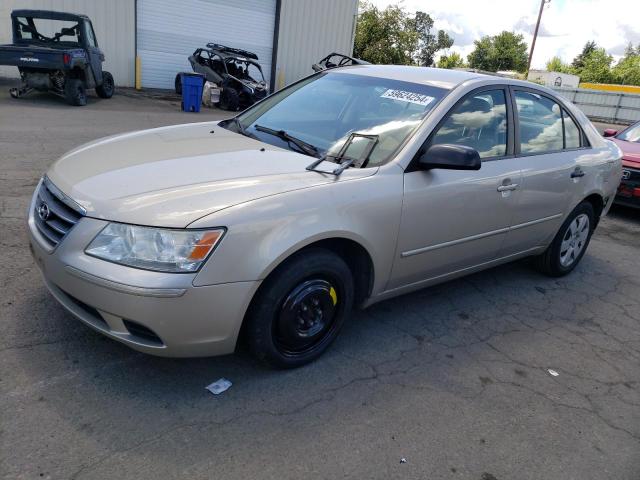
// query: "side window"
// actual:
[[480, 122], [571, 132], [540, 123]]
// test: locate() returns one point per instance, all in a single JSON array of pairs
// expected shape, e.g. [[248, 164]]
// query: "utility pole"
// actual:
[[535, 35]]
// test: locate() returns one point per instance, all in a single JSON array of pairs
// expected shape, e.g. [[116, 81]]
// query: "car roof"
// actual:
[[435, 77]]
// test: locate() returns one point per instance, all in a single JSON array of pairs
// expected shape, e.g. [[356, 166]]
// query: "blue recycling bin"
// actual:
[[192, 85]]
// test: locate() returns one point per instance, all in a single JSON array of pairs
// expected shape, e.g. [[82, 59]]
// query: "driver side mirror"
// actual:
[[609, 132], [450, 157]]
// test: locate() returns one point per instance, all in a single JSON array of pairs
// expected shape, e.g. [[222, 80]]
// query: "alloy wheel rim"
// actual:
[[307, 317], [574, 240]]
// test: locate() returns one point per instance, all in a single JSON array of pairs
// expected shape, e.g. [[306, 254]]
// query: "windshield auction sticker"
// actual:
[[404, 96]]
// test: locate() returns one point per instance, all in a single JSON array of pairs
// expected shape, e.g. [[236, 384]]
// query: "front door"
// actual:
[[455, 220]]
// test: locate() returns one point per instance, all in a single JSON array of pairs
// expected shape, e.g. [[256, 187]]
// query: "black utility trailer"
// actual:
[[56, 52]]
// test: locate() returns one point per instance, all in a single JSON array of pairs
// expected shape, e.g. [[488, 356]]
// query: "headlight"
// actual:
[[154, 248]]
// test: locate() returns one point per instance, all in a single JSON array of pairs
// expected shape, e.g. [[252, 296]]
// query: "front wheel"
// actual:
[[300, 309], [107, 88], [570, 243]]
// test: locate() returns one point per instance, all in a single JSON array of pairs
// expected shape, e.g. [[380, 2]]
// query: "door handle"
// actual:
[[577, 173], [507, 188]]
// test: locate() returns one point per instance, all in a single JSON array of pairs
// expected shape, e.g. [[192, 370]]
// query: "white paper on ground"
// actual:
[[219, 386]]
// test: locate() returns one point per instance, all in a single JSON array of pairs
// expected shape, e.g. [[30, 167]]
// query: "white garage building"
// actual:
[[287, 35]]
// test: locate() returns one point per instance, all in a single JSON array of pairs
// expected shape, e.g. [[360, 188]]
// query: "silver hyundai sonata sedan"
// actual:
[[346, 188]]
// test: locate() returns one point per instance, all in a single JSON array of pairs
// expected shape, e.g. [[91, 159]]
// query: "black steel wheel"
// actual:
[[108, 86], [300, 309]]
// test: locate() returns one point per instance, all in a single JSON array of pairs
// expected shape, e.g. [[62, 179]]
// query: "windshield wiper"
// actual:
[[305, 147], [345, 161]]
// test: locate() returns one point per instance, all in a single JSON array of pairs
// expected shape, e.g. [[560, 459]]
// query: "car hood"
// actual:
[[630, 152], [172, 176]]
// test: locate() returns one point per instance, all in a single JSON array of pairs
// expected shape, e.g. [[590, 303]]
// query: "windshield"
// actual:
[[325, 109], [631, 134], [48, 31]]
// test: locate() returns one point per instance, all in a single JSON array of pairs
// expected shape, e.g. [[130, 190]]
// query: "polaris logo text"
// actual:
[[29, 59]]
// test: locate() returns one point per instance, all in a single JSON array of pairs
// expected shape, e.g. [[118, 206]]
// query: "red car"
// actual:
[[629, 142]]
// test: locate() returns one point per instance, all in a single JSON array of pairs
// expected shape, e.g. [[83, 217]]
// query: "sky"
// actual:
[[566, 24]]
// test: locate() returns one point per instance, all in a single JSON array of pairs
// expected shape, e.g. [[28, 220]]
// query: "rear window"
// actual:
[[48, 31]]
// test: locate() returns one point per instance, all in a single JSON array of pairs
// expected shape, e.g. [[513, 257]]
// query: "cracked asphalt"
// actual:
[[454, 379]]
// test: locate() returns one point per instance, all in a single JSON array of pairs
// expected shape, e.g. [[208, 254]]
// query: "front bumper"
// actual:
[[153, 312], [629, 190]]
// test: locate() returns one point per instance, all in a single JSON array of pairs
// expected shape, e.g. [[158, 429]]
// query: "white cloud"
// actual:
[[566, 24]]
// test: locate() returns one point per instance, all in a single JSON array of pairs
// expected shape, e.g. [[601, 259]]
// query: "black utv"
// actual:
[[335, 60], [236, 72], [56, 52]]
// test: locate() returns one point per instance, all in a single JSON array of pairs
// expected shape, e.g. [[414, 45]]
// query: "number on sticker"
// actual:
[[405, 96]]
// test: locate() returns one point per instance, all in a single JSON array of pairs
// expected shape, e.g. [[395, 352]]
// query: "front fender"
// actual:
[[265, 232]]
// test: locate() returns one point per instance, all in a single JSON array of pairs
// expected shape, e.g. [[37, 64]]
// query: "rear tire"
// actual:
[[300, 309], [107, 89], [569, 244], [75, 92], [229, 99]]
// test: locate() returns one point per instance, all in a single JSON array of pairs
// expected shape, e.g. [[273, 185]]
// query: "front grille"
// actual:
[[634, 175], [53, 217]]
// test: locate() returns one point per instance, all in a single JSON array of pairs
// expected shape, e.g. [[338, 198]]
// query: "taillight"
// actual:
[[66, 58]]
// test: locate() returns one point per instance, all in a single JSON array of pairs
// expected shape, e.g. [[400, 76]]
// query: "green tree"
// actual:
[[392, 36], [453, 60], [557, 65], [630, 51], [627, 70], [578, 61], [429, 42], [505, 51], [596, 67], [385, 36]]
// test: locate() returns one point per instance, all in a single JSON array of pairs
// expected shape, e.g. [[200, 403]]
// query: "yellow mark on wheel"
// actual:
[[334, 296]]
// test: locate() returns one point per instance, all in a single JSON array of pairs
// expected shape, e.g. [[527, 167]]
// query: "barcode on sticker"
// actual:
[[405, 96]]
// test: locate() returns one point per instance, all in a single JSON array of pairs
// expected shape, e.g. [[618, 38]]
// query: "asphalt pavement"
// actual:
[[456, 379]]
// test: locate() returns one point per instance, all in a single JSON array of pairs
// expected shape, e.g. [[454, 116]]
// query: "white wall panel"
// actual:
[[169, 31], [113, 22], [310, 30]]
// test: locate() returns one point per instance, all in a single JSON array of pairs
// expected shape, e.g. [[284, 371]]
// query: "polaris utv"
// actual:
[[56, 52], [236, 72]]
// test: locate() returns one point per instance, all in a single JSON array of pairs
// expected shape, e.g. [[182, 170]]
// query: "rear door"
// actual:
[[548, 145], [455, 220]]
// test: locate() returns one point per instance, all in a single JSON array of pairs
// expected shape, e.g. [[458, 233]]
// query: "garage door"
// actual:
[[169, 31]]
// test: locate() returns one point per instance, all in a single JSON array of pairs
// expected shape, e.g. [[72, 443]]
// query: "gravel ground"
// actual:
[[454, 379]]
